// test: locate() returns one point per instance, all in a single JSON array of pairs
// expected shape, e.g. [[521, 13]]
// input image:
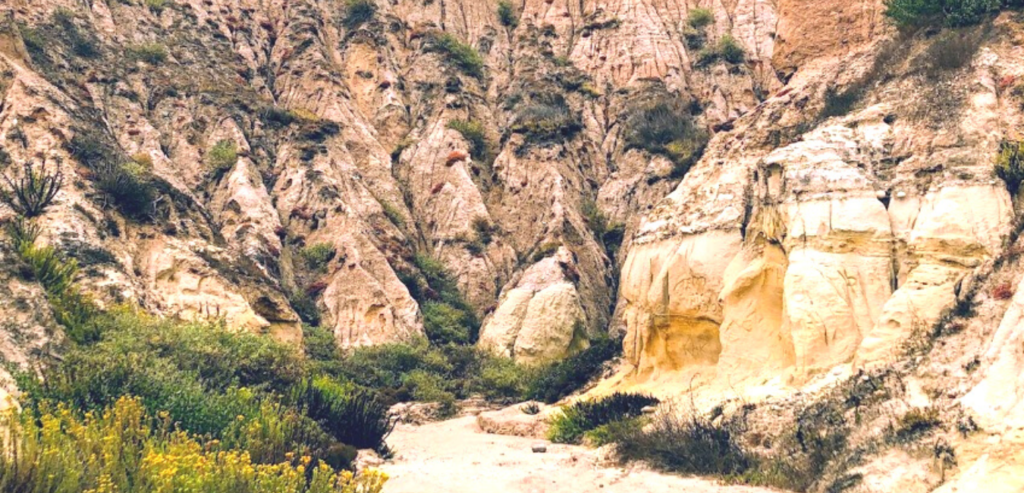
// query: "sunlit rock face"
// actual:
[[346, 134]]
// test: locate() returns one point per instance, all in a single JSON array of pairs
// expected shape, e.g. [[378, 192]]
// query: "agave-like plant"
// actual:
[[31, 194]]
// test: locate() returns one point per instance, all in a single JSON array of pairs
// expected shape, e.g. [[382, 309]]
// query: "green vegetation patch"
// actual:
[[358, 12], [574, 421], [912, 14], [473, 132], [459, 54], [507, 14], [664, 125], [151, 53], [700, 18], [728, 50], [222, 156]]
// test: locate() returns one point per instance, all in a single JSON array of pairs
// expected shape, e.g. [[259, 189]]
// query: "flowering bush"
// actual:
[[122, 448]]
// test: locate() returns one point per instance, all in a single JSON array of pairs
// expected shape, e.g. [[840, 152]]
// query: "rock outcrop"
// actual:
[[760, 223]]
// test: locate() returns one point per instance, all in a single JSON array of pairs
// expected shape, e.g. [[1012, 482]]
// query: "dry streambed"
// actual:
[[456, 457]]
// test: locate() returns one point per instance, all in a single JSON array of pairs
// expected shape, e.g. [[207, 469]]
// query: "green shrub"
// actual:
[[22, 234], [728, 49], [484, 230], [664, 126], [596, 220], [317, 256], [545, 250], [546, 121], [358, 12], [473, 132], [151, 53], [30, 195], [222, 156], [392, 213], [910, 14], [952, 50], [559, 379], [462, 55], [574, 421], [351, 415], [446, 324], [502, 379], [839, 103], [274, 432], [127, 184], [451, 308], [130, 187], [83, 45], [55, 272], [430, 387], [1009, 165], [72, 310], [319, 344], [76, 312], [384, 366], [688, 445], [457, 370], [34, 41], [700, 18], [915, 422], [305, 306], [614, 431], [507, 14]]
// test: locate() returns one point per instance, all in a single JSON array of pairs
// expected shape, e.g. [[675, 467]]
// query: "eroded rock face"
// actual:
[[347, 135], [835, 248]]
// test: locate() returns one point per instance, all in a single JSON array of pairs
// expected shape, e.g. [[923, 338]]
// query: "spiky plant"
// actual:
[[31, 194]]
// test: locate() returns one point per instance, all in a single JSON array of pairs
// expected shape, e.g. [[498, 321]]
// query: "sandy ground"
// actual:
[[455, 457]]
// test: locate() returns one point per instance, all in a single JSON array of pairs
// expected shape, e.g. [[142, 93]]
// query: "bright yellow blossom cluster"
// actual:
[[124, 450]]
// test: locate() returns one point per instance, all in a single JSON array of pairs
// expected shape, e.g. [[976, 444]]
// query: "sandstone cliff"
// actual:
[[845, 201]]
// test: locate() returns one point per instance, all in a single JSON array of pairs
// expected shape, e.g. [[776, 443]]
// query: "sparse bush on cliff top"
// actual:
[[949, 13]]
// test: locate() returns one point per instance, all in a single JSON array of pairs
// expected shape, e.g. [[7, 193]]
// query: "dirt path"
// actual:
[[455, 457]]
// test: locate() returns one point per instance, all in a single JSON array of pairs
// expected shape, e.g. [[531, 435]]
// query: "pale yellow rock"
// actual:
[[499, 332], [754, 342], [549, 328], [956, 229], [670, 292]]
